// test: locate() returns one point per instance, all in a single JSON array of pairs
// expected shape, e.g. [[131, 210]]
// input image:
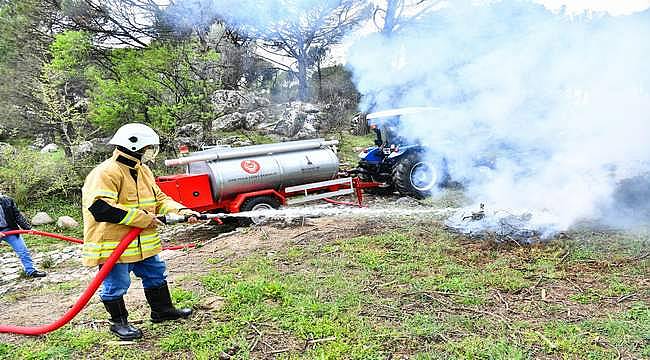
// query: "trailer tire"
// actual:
[[408, 182], [258, 203]]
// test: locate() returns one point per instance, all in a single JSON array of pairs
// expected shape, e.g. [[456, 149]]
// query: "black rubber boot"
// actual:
[[119, 320], [161, 305]]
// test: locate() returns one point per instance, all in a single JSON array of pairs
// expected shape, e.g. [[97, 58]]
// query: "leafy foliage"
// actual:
[[157, 86], [29, 175]]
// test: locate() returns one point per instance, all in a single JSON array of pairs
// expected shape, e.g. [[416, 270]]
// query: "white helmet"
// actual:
[[135, 136]]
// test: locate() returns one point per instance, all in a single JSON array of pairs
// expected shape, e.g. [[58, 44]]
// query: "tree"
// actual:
[[318, 26], [165, 85], [115, 23], [24, 39], [393, 15], [62, 88]]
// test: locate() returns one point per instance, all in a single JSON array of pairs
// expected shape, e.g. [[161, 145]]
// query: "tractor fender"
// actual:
[[372, 155], [408, 149]]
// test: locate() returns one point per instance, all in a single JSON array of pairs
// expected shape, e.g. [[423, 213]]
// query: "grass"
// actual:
[[351, 145], [417, 292]]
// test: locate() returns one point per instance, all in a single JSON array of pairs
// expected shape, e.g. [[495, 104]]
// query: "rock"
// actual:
[[298, 120], [308, 131], [67, 222], [42, 218], [212, 303], [11, 269], [290, 123], [310, 108], [253, 119], [10, 277], [95, 148], [49, 148], [40, 141], [232, 141], [229, 122], [7, 149], [229, 101], [406, 201], [194, 129]]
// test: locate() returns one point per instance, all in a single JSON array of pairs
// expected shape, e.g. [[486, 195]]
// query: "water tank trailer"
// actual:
[[259, 177]]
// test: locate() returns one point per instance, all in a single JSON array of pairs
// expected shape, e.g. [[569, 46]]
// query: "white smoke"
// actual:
[[559, 103]]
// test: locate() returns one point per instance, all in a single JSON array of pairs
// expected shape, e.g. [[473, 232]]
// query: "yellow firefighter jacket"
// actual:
[[112, 182]]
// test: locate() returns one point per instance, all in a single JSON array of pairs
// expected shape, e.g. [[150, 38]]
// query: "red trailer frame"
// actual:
[[195, 192]]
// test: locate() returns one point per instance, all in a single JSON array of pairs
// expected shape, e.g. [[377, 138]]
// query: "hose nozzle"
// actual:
[[171, 219]]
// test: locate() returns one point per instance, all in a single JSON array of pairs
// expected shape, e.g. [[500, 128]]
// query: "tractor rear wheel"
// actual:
[[416, 177], [258, 203]]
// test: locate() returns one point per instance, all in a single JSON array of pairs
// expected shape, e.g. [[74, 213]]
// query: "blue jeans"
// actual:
[[151, 270], [18, 244]]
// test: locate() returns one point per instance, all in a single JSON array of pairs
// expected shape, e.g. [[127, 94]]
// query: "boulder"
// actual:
[[7, 149], [299, 121], [253, 119], [230, 122], [308, 131], [42, 218], [40, 141], [310, 108], [194, 129], [66, 222], [229, 101], [233, 141], [97, 148], [49, 148]]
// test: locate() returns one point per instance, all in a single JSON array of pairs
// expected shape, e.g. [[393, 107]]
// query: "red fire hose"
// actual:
[[79, 241], [83, 299], [90, 290]]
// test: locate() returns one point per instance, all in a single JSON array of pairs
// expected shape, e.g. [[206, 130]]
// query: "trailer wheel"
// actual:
[[258, 203], [418, 178]]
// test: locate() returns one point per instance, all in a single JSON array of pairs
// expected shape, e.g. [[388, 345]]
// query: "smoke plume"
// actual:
[[538, 111]]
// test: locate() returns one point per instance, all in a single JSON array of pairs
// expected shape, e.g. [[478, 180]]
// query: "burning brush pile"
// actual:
[[521, 227]]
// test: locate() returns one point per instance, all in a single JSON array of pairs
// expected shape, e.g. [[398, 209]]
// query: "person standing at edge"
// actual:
[[12, 219], [118, 194]]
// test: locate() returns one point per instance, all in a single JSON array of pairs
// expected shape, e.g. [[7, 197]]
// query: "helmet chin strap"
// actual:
[[136, 155]]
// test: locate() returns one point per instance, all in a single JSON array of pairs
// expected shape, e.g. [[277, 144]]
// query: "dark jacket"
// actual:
[[12, 215]]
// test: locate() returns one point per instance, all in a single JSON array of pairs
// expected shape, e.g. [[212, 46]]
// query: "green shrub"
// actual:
[[29, 176]]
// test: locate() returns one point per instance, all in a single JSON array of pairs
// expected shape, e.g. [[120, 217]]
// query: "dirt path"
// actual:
[[41, 301]]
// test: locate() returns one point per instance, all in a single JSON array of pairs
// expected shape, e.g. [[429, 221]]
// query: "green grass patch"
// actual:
[[351, 145], [417, 292], [65, 343]]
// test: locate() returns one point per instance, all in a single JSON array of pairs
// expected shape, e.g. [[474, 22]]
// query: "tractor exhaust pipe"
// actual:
[[252, 151]]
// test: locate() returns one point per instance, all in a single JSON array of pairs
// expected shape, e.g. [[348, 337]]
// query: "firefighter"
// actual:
[[118, 194]]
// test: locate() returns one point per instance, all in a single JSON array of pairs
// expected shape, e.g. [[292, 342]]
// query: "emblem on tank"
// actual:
[[251, 166]]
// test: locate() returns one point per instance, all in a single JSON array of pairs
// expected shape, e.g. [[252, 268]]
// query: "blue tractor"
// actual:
[[401, 165]]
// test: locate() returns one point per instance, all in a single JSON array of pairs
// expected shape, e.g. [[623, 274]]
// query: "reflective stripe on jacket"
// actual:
[[112, 182]]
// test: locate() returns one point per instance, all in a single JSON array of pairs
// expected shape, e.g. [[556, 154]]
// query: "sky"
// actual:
[[614, 7]]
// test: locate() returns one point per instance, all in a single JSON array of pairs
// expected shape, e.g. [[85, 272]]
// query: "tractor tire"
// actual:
[[418, 178], [258, 203]]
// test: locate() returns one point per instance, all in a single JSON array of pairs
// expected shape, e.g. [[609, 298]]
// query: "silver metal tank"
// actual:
[[259, 167]]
